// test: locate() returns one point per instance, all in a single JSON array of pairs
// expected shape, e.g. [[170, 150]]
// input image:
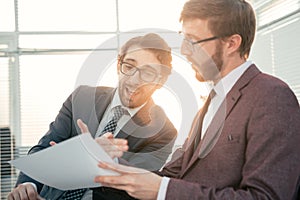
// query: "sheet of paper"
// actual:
[[71, 164]]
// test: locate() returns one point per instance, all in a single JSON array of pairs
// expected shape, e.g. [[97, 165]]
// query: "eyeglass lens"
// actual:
[[146, 72]]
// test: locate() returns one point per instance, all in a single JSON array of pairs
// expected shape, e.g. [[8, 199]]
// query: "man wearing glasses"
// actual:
[[127, 111], [244, 142]]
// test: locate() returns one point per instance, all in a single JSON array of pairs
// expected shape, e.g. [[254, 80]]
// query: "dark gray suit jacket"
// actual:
[[251, 149], [149, 133]]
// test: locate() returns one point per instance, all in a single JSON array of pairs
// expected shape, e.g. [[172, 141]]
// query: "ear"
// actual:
[[161, 82], [159, 85], [233, 44], [118, 66]]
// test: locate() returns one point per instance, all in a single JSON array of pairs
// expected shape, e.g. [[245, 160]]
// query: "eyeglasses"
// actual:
[[146, 72], [190, 44]]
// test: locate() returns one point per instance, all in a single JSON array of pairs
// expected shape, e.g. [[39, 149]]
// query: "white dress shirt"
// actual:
[[116, 101], [221, 88]]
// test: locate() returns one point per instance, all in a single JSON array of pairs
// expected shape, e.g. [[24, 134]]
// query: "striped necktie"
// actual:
[[74, 194], [118, 112]]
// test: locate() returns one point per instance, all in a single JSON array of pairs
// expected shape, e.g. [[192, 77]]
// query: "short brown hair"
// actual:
[[151, 42], [225, 18]]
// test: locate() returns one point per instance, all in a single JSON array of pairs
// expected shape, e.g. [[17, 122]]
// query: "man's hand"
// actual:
[[24, 192], [113, 146], [137, 182]]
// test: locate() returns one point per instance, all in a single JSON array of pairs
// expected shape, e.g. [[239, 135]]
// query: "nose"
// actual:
[[135, 78], [185, 49]]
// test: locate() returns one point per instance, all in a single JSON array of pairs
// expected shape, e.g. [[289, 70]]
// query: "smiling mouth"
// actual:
[[131, 93]]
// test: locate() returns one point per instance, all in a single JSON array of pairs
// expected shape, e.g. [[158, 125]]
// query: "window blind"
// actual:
[[268, 11], [276, 51], [7, 174]]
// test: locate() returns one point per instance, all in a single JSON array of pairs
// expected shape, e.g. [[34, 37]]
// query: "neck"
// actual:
[[229, 66]]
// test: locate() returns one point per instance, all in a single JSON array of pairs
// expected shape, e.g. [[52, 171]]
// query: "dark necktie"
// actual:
[[204, 110], [118, 112], [74, 194]]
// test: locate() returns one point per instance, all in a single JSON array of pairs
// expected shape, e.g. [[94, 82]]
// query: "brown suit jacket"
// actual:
[[250, 150]]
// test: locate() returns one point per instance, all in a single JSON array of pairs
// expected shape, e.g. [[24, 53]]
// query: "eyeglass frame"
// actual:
[[200, 41], [158, 76], [204, 40]]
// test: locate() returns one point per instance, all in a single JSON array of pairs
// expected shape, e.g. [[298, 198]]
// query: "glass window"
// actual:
[[7, 15], [136, 14], [65, 41], [67, 15], [4, 92], [280, 54], [46, 81], [271, 10]]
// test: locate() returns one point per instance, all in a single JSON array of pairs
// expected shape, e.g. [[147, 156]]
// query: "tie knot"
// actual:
[[118, 112], [212, 94]]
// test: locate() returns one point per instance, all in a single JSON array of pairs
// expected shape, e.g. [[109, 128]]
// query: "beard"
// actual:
[[207, 68]]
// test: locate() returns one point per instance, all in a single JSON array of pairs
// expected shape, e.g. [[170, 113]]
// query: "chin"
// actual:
[[131, 103], [200, 78]]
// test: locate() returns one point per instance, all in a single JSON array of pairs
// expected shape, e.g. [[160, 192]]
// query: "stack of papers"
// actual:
[[68, 165]]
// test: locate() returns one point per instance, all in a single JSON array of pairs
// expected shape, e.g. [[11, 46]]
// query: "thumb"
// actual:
[[108, 135], [52, 143], [83, 127], [40, 198]]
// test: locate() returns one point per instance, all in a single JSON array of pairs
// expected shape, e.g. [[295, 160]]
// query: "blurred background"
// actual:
[[44, 44]]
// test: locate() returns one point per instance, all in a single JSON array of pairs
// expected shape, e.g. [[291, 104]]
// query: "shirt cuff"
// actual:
[[163, 188], [34, 185]]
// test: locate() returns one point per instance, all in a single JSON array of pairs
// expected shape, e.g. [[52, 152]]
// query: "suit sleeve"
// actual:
[[174, 166], [154, 152], [271, 167], [59, 130]]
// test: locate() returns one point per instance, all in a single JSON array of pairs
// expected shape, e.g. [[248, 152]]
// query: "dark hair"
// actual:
[[225, 18], [151, 42]]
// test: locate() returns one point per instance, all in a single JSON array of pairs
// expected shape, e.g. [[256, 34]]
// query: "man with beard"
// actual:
[[244, 142], [127, 111]]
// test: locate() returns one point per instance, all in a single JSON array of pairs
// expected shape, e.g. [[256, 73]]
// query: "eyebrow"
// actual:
[[188, 35], [193, 36], [130, 60]]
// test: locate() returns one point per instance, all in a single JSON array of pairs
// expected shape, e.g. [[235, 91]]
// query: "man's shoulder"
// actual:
[[97, 90], [267, 84], [152, 108], [270, 90]]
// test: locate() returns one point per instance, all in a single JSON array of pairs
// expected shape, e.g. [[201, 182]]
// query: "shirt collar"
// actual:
[[116, 101], [227, 82]]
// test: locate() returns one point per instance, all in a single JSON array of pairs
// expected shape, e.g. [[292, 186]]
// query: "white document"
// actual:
[[68, 165]]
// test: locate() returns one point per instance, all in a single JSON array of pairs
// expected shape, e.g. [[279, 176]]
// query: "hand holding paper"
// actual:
[[71, 164], [139, 183], [114, 147]]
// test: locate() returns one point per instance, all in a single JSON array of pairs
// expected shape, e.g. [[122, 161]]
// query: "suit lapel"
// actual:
[[189, 149], [215, 128], [101, 103], [140, 119]]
